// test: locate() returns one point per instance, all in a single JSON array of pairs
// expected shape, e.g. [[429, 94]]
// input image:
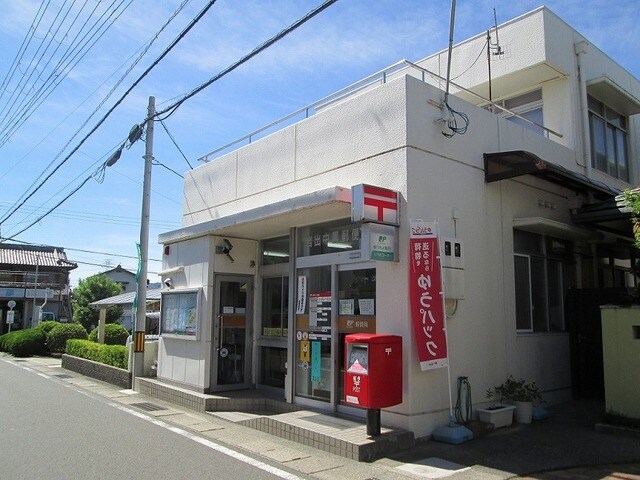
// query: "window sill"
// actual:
[[541, 334]]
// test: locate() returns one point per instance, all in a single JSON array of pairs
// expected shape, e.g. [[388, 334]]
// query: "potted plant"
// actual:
[[497, 414], [522, 394]]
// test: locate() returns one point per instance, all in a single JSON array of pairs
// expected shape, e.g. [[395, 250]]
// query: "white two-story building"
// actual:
[[270, 270]]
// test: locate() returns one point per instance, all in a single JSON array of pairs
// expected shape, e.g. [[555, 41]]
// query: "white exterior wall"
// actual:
[[181, 360], [389, 136], [539, 52], [189, 361], [319, 152]]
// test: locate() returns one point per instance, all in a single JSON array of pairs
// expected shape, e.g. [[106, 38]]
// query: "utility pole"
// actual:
[[141, 313], [34, 320]]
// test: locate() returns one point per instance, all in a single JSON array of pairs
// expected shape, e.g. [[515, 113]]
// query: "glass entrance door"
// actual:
[[232, 336]]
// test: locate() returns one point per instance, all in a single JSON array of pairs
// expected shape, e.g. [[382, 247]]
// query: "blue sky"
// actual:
[[350, 40]]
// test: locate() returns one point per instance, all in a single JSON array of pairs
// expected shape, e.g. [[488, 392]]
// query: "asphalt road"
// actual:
[[52, 430]]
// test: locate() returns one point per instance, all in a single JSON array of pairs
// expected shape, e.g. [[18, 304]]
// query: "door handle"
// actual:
[[220, 330]]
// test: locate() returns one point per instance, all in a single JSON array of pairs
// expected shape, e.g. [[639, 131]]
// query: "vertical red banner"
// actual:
[[426, 298]]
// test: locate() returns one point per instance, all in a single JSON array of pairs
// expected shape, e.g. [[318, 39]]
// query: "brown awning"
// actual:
[[505, 165]]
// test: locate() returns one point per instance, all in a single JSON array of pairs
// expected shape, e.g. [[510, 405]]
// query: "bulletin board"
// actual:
[[179, 314]]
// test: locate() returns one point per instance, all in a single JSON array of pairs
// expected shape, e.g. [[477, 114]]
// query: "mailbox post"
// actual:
[[373, 374]]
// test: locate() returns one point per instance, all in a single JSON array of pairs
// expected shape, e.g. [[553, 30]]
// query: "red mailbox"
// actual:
[[373, 370]]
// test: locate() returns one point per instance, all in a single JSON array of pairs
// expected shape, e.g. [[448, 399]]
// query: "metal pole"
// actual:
[[141, 314], [35, 293], [451, 24]]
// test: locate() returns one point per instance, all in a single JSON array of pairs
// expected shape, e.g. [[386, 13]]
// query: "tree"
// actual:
[[90, 290], [632, 203]]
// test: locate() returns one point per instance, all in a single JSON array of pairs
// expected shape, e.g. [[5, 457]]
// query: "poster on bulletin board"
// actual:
[[316, 361]]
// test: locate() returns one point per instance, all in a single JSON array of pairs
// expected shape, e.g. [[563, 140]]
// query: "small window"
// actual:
[[332, 237], [528, 107], [275, 250], [608, 140], [543, 271]]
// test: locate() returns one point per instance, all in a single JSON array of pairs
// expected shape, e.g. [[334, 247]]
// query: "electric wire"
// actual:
[[176, 144], [452, 122], [97, 174], [170, 110], [140, 54], [46, 89], [182, 34], [174, 107], [21, 86], [109, 254], [156, 162], [23, 47], [43, 93], [106, 266], [42, 68], [482, 50]]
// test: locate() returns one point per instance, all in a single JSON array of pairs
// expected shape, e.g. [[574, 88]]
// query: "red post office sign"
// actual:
[[375, 204], [426, 296]]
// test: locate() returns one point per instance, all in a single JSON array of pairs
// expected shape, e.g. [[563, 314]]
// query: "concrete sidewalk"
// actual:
[[564, 446]]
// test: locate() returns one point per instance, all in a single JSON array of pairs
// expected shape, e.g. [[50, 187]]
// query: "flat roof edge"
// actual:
[[301, 202]]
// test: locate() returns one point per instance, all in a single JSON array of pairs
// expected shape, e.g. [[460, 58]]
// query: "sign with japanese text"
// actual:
[[426, 297], [380, 242], [320, 310], [375, 204]]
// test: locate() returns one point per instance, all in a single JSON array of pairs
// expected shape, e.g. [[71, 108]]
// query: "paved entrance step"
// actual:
[[336, 435]]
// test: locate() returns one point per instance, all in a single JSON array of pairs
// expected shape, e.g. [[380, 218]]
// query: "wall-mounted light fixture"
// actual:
[[225, 249]]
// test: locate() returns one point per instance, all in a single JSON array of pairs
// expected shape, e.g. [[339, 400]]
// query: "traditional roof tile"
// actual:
[[32, 255]]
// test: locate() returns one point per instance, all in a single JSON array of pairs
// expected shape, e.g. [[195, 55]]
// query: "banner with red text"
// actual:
[[426, 298]]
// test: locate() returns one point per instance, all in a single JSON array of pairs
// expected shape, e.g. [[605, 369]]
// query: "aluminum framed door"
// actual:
[[232, 336]]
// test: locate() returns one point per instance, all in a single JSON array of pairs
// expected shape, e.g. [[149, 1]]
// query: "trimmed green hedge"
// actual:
[[114, 355], [114, 334], [24, 343], [47, 326], [60, 333]]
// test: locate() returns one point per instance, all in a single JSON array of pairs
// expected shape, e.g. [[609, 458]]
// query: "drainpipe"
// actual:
[[581, 50]]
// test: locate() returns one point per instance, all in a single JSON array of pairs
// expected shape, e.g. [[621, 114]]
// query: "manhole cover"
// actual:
[[147, 407], [63, 375]]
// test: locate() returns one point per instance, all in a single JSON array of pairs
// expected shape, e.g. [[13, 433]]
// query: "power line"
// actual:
[[160, 164], [117, 255], [176, 144], [194, 92], [143, 50], [103, 266], [102, 218], [118, 102], [25, 43], [72, 57], [170, 110]]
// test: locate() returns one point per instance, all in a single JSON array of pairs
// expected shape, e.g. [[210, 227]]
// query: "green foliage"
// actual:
[[632, 202], [519, 390], [23, 343], [114, 355], [59, 334], [114, 334], [47, 326], [90, 290]]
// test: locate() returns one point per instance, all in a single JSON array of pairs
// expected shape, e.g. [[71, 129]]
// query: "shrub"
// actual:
[[24, 343], [114, 355], [47, 326], [58, 336], [3, 339], [114, 334]]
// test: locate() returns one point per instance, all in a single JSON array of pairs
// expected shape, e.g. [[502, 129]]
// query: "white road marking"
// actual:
[[212, 445]]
